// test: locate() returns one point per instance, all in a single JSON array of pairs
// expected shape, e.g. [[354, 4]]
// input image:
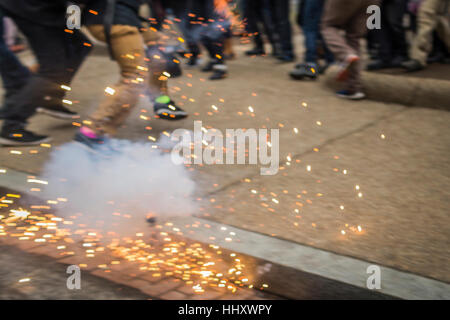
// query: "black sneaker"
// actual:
[[59, 112], [378, 65], [209, 66], [412, 65], [286, 57], [16, 135], [307, 70], [255, 52], [220, 71], [192, 61], [169, 111], [151, 221]]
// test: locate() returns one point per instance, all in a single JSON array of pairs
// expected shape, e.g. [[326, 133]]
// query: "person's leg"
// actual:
[[354, 32], [250, 15], [53, 68], [128, 48], [282, 9], [13, 73], [76, 47], [395, 17], [443, 28], [427, 20], [311, 19], [52, 57], [336, 15], [385, 34], [269, 27]]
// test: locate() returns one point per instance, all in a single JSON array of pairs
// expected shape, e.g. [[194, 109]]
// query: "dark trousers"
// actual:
[[391, 36], [59, 55], [200, 30], [258, 12], [280, 10], [310, 13], [343, 25], [13, 73]]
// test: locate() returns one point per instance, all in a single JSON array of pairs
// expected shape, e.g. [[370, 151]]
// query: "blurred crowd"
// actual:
[[404, 34]]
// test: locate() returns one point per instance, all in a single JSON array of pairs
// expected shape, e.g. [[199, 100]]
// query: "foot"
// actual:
[[255, 52], [286, 57], [397, 61], [89, 139], [59, 112], [16, 135], [345, 67], [378, 65], [209, 66], [192, 61], [412, 65], [306, 70], [166, 109], [351, 95], [220, 71], [151, 221]]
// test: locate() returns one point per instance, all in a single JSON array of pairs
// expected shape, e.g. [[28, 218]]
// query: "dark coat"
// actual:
[[43, 12], [126, 12]]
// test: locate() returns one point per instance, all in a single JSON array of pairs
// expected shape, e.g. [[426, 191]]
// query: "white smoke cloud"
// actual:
[[117, 191]]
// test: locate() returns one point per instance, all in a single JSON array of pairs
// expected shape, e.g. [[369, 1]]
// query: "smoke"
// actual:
[[115, 190]]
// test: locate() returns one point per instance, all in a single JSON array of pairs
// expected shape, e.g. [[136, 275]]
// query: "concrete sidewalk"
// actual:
[[366, 180]]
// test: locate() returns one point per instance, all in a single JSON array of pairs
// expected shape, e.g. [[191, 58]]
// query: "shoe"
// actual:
[[255, 52], [59, 112], [169, 110], [378, 65], [412, 65], [286, 57], [397, 61], [16, 135], [220, 71], [192, 61], [88, 139], [209, 66], [351, 95], [346, 66], [301, 71], [151, 221]]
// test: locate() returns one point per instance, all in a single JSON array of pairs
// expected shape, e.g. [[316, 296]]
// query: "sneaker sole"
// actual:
[[360, 97], [7, 142], [166, 114], [58, 115]]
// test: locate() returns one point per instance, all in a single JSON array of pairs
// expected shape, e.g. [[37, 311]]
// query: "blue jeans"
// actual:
[[311, 13], [14, 74]]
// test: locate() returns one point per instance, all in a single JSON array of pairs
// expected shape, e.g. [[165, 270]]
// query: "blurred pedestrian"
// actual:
[[281, 15], [59, 55], [207, 25], [433, 15], [14, 74], [393, 49], [343, 26], [118, 24], [256, 13], [308, 18]]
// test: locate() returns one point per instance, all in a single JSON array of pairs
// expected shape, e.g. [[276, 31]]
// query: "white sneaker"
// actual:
[[358, 95]]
